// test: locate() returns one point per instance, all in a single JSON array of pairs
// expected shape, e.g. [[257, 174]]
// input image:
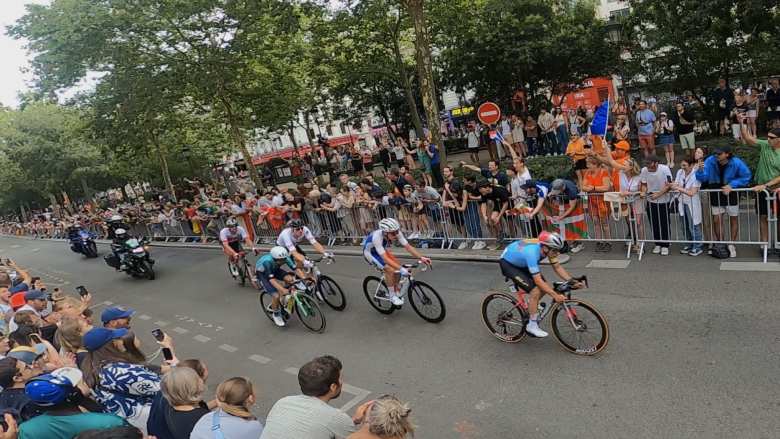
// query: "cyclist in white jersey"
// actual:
[[375, 253], [294, 233], [231, 237]]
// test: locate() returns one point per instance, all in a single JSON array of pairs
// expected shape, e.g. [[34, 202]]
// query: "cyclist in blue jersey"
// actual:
[[272, 277], [376, 254], [520, 263]]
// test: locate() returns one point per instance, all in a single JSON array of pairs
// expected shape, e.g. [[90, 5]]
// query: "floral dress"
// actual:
[[126, 390]]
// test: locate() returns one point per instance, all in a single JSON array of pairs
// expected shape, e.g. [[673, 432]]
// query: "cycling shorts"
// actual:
[[265, 280], [373, 258], [236, 246], [521, 277]]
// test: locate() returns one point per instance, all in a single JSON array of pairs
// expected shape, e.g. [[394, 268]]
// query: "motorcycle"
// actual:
[[137, 262], [84, 243]]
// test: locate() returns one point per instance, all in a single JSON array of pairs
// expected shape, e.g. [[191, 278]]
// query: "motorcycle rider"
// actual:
[[114, 223], [119, 248]]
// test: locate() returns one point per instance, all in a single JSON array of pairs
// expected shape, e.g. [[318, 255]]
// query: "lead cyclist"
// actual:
[[376, 254]]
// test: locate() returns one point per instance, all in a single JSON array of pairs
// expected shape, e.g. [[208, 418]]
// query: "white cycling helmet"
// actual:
[[116, 218], [279, 252], [551, 239], [119, 232], [389, 225]]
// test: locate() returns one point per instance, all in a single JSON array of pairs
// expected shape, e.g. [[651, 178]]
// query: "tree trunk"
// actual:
[[239, 142], [422, 50], [291, 135], [164, 167], [407, 84]]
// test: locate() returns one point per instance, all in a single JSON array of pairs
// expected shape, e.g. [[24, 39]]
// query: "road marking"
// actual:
[[749, 266], [202, 338], [36, 250], [144, 317], [228, 348], [161, 323], [292, 371], [260, 359], [608, 263], [360, 395], [180, 330], [15, 246]]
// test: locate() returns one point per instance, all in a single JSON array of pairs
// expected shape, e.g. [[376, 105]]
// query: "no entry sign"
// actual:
[[488, 113]]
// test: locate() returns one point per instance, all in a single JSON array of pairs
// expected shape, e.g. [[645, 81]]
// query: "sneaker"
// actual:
[[732, 251], [479, 245], [534, 329], [277, 318], [463, 245], [664, 251], [656, 249], [685, 250], [695, 252], [397, 300], [578, 247]]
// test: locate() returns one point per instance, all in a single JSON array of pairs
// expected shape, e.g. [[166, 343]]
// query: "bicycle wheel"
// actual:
[[582, 330], [331, 293], [370, 285], [503, 318], [242, 272], [426, 302], [310, 313], [232, 269], [265, 305]]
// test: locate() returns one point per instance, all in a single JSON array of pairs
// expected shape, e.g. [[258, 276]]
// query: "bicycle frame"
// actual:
[[404, 281], [550, 305]]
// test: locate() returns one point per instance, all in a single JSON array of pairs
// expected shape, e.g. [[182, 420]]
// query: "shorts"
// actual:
[[735, 131], [236, 246], [720, 210], [375, 259], [688, 141], [580, 164], [521, 277], [666, 139], [265, 280], [752, 113], [761, 204]]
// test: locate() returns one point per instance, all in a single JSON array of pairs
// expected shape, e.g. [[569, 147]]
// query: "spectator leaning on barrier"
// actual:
[[566, 212], [309, 415], [656, 180], [767, 171], [492, 173], [723, 171], [499, 198], [689, 205]]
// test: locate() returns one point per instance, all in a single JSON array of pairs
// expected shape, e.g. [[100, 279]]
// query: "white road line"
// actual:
[[15, 246], [180, 330], [145, 317], [228, 348], [202, 338], [609, 263], [360, 395], [292, 371], [260, 359], [36, 250], [161, 323]]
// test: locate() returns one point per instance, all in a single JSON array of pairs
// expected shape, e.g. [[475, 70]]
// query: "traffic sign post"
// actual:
[[488, 113]]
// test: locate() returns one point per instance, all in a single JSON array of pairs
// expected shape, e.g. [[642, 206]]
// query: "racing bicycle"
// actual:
[[576, 324], [326, 289], [300, 299], [240, 270], [425, 301]]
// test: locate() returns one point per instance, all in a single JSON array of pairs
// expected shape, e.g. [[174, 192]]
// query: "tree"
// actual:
[[688, 44]]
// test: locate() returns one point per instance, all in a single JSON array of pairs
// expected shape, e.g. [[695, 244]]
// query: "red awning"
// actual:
[[342, 140], [286, 154]]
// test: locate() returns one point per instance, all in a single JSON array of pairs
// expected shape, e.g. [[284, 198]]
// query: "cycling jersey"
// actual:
[[374, 247], [226, 236], [525, 254], [269, 268], [288, 241]]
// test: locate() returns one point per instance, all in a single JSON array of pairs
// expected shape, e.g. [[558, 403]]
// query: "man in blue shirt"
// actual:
[[272, 277], [645, 122], [433, 152], [520, 263]]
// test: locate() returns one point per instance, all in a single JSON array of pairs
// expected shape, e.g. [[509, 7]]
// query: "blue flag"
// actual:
[[600, 120]]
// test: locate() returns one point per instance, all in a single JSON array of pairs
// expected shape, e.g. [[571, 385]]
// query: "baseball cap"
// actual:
[[95, 338], [115, 312], [49, 389], [35, 294], [528, 184], [624, 145], [723, 148], [27, 354], [557, 186]]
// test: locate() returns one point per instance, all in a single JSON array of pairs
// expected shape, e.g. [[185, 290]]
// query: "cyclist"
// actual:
[[271, 276], [375, 253], [231, 237], [520, 262], [294, 233]]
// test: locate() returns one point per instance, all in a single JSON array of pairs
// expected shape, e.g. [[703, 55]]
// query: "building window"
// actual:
[[311, 133], [619, 13], [329, 129], [343, 127]]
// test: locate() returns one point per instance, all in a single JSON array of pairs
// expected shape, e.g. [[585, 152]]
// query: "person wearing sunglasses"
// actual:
[[294, 233], [767, 175]]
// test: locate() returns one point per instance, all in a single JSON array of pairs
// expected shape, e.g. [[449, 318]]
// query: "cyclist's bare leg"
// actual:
[[391, 279], [533, 303]]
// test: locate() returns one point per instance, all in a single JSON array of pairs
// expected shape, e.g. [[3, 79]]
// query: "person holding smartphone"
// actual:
[[655, 184]]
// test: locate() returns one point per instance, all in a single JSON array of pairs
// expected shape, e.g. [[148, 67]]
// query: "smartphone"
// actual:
[[158, 334], [82, 291], [167, 354], [668, 178]]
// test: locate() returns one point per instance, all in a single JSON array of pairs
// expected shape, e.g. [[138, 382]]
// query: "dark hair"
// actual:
[[470, 178], [128, 340], [689, 159], [316, 376], [8, 372], [95, 360], [775, 132], [483, 184], [128, 432], [642, 101]]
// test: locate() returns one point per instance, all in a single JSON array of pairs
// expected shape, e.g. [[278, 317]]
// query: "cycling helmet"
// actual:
[[120, 232], [551, 239], [279, 252], [295, 223], [116, 218], [48, 390], [389, 225], [231, 222]]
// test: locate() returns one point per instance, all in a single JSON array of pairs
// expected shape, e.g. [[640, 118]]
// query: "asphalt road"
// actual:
[[693, 350]]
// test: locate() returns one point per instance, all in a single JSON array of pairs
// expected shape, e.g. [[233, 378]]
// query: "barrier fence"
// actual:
[[708, 217]]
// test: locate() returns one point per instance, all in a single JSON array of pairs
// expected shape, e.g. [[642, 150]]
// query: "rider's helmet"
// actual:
[[231, 222], [295, 224], [120, 233], [389, 225], [279, 252], [115, 218], [551, 240]]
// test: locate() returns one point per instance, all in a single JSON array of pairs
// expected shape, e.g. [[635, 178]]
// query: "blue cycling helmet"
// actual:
[[48, 390]]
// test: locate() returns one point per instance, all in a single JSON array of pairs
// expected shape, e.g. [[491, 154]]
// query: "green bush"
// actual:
[[550, 168]]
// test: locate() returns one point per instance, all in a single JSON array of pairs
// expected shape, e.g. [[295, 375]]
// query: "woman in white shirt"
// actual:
[[518, 136], [689, 203]]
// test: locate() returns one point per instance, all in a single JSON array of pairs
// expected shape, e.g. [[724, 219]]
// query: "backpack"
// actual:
[[720, 251]]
